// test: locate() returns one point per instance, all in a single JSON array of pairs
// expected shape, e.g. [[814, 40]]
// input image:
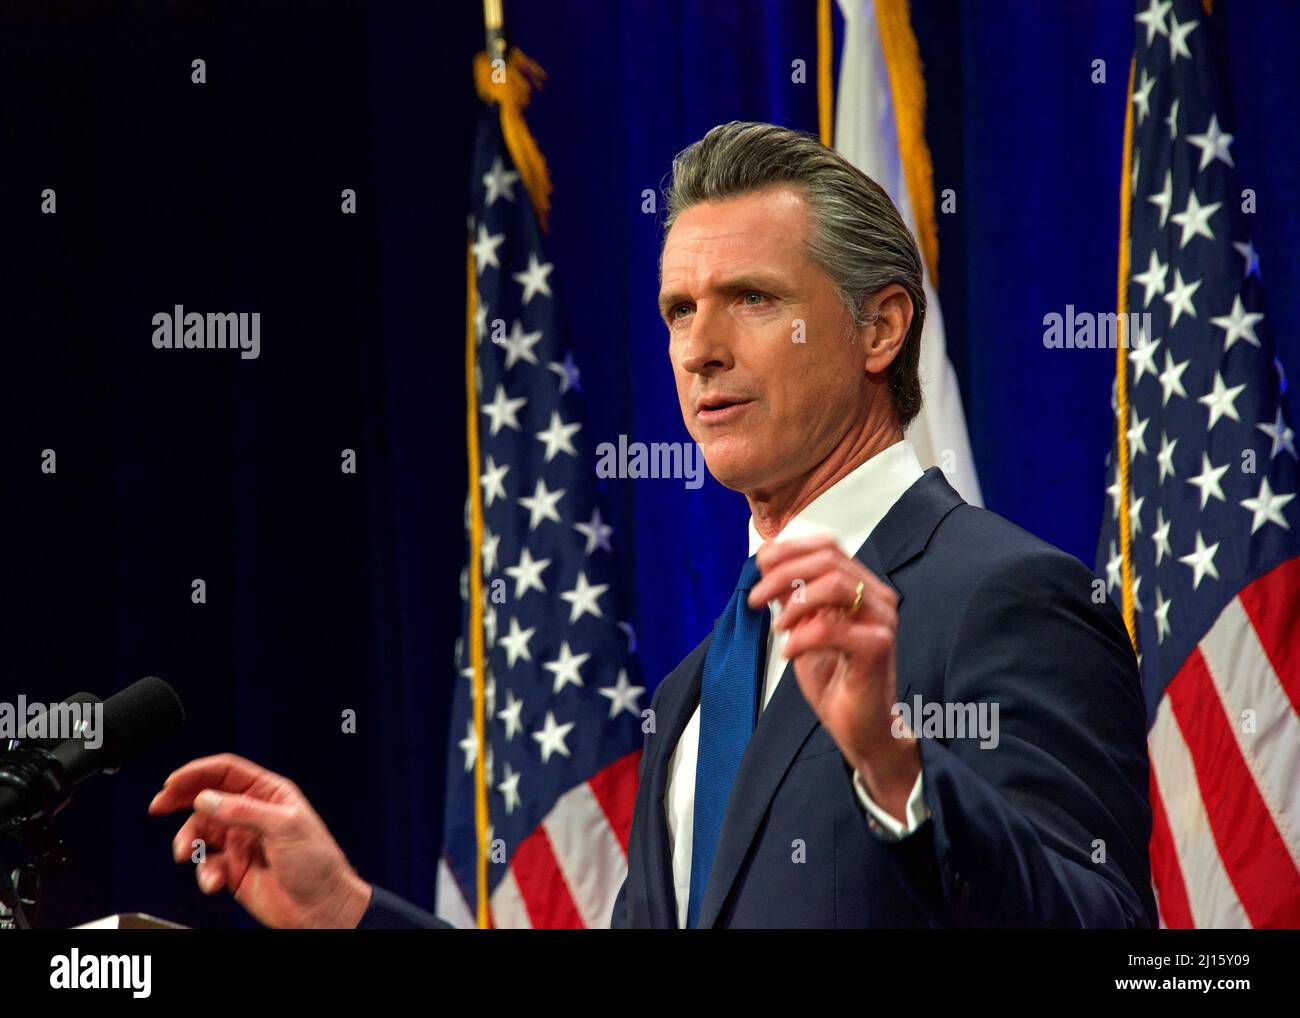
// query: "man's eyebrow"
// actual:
[[736, 284]]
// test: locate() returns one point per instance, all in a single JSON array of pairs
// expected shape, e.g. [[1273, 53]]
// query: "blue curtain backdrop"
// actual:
[[330, 592]]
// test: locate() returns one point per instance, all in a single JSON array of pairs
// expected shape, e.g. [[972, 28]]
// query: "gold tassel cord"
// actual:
[[907, 85], [1121, 370], [511, 88]]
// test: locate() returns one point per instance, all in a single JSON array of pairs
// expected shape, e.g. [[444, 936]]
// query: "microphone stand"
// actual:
[[25, 768]]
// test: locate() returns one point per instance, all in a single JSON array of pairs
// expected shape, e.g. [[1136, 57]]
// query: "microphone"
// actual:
[[36, 780]]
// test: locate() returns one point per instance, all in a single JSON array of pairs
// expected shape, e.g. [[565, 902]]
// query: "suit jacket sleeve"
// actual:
[[618, 920], [389, 912], [1050, 828]]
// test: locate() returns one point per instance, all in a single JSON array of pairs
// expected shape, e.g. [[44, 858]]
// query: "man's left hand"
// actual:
[[843, 657]]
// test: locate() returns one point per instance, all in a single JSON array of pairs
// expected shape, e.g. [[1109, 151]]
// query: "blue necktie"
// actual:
[[733, 666]]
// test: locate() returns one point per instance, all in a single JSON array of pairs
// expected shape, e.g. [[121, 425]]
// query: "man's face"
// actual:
[[766, 398]]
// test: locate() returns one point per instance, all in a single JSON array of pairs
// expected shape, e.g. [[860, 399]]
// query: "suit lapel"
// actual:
[[788, 720]]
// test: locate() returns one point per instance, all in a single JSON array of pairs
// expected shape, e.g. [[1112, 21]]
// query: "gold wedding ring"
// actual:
[[857, 598]]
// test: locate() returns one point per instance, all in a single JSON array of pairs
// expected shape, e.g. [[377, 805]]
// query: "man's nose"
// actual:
[[708, 346]]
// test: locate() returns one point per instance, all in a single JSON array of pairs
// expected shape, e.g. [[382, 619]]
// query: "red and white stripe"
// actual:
[[566, 873], [1225, 768]]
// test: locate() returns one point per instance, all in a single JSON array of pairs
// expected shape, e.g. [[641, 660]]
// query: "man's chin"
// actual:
[[733, 470]]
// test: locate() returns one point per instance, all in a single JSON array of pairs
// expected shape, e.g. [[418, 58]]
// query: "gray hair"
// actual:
[[857, 237]]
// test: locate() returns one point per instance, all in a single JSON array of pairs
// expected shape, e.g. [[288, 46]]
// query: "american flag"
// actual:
[[1213, 573], [561, 688]]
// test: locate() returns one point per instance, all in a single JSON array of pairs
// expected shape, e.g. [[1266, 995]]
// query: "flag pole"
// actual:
[[493, 24], [494, 27]]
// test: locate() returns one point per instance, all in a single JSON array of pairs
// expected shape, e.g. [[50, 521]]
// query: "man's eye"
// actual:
[[753, 297], [677, 311]]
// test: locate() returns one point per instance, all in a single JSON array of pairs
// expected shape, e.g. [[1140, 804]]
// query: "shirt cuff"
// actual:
[[886, 826]]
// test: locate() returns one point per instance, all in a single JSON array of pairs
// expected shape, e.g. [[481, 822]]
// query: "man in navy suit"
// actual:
[[910, 713]]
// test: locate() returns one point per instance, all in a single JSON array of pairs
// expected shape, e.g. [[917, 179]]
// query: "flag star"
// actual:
[[1137, 583], [480, 318], [1161, 536], [551, 737], [1171, 121], [1114, 568], [1154, 19], [1195, 219], [1171, 379], [584, 598], [499, 182], [1178, 34], [1142, 356], [491, 545], [485, 249], [1164, 198], [1137, 162], [1213, 144], [623, 696], [1201, 561], [490, 625], [558, 437], [503, 411], [596, 532], [1162, 616], [509, 788], [1238, 324], [528, 573], [541, 504], [516, 643], [1267, 507], [1247, 251], [493, 480], [565, 668], [1179, 298], [533, 278], [1137, 430], [1142, 96], [1283, 437], [1208, 481], [1221, 400], [1153, 280], [1113, 492], [568, 372], [488, 768], [489, 687], [510, 715], [469, 746], [1165, 457], [1135, 513], [519, 344]]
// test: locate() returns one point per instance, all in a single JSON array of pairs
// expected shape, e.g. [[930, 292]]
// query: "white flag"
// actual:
[[866, 134]]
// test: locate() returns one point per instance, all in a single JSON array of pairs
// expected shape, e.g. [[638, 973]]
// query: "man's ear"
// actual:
[[889, 316]]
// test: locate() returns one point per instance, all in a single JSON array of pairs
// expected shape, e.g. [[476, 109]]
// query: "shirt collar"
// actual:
[[850, 509]]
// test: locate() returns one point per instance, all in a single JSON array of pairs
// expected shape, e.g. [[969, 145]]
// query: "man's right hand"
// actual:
[[264, 842]]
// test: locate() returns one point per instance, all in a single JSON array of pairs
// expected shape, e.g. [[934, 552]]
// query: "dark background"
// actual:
[[328, 592]]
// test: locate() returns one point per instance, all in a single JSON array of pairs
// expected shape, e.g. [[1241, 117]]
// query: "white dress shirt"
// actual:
[[849, 511]]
